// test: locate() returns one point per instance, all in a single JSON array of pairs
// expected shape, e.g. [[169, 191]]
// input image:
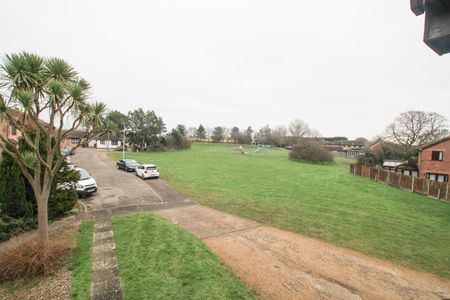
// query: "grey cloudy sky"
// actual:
[[345, 67]]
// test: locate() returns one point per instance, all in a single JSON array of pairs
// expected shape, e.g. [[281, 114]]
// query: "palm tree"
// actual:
[[109, 127], [33, 87]]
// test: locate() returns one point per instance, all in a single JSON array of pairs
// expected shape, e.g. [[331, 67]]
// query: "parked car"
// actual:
[[87, 185], [147, 171], [67, 151], [128, 165]]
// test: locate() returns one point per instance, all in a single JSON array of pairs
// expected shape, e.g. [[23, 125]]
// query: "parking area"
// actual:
[[115, 187]]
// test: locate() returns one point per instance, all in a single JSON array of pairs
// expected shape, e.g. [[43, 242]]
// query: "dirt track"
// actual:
[[277, 264]]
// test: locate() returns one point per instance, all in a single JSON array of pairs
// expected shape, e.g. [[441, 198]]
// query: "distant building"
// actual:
[[434, 160], [400, 166], [348, 148], [107, 141]]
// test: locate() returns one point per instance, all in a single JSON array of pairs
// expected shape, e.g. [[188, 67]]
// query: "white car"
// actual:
[[147, 171], [87, 185]]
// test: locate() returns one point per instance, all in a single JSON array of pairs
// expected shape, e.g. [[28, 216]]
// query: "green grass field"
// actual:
[[158, 260], [321, 201], [82, 261]]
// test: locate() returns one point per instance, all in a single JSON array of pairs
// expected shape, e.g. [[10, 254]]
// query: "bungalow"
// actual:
[[434, 160], [72, 139], [107, 141]]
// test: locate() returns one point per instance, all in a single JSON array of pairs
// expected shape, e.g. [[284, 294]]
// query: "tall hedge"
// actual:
[[13, 196]]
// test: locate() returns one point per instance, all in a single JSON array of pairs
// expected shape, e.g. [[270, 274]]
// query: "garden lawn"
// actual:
[[82, 262], [320, 201], [158, 260]]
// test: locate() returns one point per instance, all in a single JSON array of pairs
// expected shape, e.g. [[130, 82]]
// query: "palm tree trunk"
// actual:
[[42, 203]]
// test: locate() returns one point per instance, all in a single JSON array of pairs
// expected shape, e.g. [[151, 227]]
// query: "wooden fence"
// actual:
[[434, 189]]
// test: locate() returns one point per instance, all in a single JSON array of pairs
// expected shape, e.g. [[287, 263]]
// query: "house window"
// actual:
[[102, 142], [114, 143], [437, 177], [437, 155], [75, 141]]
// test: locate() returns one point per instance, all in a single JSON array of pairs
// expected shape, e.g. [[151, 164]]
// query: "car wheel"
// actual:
[[143, 178], [126, 169]]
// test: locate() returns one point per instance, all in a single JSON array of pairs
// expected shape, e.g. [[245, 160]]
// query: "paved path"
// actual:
[[275, 264]]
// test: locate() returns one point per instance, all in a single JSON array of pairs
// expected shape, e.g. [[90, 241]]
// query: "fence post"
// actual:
[[428, 187], [439, 191], [399, 180], [378, 174], [412, 184], [388, 177], [446, 193], [354, 169]]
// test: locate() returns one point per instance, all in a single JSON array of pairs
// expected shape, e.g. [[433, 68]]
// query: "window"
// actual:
[[437, 155], [437, 177], [102, 142], [75, 140], [114, 143], [13, 130]]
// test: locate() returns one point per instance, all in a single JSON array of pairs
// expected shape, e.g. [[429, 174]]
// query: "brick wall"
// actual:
[[426, 165]]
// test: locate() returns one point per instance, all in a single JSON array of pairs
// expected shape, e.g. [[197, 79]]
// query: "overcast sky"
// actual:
[[344, 67]]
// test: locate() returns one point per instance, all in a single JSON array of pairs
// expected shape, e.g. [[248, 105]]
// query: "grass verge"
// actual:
[[82, 261], [320, 201], [159, 260]]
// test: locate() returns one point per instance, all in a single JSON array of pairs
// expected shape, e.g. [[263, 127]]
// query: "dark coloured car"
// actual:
[[128, 165]]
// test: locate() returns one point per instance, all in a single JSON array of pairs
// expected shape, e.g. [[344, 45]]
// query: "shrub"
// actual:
[[60, 202], [28, 259], [312, 151], [10, 226], [13, 195]]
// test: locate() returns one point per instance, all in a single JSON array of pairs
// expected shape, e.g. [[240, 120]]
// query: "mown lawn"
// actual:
[[82, 261], [158, 260], [321, 201]]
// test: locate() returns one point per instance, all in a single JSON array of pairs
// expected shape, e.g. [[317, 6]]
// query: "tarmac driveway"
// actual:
[[115, 187]]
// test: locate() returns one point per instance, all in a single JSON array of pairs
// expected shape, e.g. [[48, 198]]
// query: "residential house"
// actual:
[[107, 141], [72, 139], [434, 160], [8, 130], [348, 148]]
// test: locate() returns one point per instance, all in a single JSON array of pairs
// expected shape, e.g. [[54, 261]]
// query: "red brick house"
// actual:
[[434, 160]]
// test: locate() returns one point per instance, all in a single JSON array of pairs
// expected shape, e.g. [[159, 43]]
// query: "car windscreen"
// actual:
[[84, 175]]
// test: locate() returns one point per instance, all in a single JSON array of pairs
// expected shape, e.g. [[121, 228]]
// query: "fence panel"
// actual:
[[405, 182], [366, 171], [382, 175], [439, 190], [420, 186], [433, 189], [442, 190]]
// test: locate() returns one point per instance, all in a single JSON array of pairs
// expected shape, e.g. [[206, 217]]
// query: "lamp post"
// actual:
[[123, 143]]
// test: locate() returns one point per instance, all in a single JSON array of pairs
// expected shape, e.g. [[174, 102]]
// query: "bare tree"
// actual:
[[417, 128], [279, 135], [298, 129]]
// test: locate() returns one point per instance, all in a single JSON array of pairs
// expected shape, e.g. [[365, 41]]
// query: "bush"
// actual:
[[312, 151], [60, 202], [13, 195], [10, 227], [28, 259]]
